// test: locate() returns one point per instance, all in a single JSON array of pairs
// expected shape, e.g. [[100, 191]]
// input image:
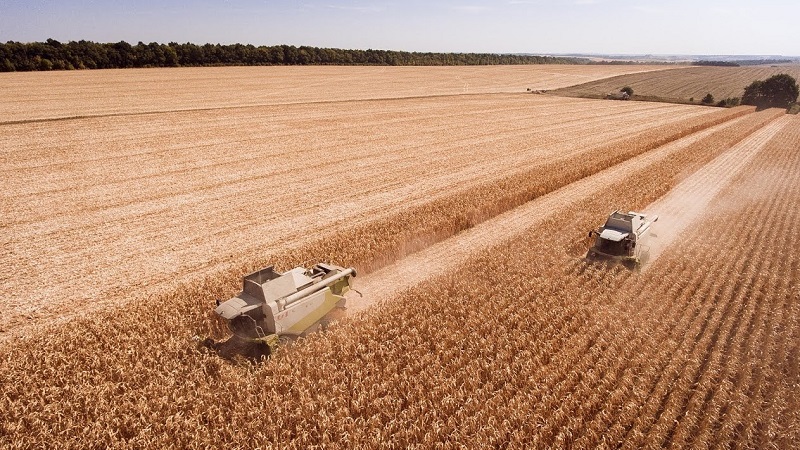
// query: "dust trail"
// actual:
[[447, 255], [690, 199]]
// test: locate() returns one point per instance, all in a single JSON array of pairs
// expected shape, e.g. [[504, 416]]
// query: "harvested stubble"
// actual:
[[29, 96], [524, 345], [388, 237], [150, 208]]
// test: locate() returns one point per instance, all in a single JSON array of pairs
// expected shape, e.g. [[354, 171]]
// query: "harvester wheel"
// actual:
[[252, 350]]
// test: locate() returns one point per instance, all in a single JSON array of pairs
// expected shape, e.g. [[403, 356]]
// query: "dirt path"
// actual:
[[447, 255]]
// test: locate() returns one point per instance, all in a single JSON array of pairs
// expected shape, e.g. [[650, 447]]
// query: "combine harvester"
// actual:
[[623, 238], [272, 305]]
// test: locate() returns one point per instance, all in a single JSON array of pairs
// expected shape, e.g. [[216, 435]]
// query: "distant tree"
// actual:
[[170, 56], [732, 101], [777, 91], [45, 64], [627, 89], [708, 99], [753, 93]]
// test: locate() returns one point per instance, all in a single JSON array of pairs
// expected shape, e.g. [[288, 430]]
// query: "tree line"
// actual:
[[742, 62], [54, 55], [716, 63]]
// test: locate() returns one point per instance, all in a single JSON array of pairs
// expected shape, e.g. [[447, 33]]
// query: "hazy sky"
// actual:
[[534, 26]]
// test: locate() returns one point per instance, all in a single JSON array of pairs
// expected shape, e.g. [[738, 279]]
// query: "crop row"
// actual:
[[525, 344], [727, 318]]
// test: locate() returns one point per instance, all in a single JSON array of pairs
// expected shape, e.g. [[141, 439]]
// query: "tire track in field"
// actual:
[[388, 281], [258, 106], [689, 200]]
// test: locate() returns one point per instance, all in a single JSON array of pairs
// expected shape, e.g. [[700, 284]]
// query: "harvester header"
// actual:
[[623, 237]]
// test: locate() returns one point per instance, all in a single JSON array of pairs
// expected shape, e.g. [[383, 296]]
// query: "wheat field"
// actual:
[[682, 84], [480, 325], [38, 96], [126, 207]]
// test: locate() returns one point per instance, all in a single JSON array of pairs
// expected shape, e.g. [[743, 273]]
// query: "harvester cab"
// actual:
[[273, 304], [623, 238]]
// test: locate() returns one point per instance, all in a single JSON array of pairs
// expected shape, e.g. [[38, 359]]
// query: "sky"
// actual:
[[634, 27]]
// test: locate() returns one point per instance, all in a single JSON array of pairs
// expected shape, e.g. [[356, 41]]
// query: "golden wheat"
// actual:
[[524, 346]]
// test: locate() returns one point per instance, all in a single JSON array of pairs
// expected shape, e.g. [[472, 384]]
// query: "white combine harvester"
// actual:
[[273, 304], [623, 238]]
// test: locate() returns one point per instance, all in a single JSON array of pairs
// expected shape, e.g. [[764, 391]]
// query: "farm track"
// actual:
[[689, 201], [166, 233]]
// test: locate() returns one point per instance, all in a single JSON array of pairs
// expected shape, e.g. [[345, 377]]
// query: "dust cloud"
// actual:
[[699, 194]]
